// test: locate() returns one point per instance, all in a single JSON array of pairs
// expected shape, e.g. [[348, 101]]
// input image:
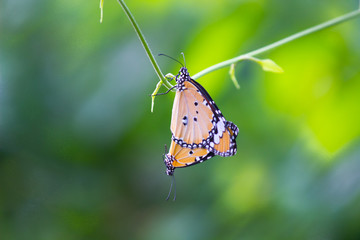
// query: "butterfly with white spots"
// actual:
[[179, 157], [199, 130]]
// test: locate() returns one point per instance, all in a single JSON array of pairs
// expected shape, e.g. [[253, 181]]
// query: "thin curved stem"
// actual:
[[281, 42], [145, 44], [248, 55]]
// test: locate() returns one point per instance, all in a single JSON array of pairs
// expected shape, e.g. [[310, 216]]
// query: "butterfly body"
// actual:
[[199, 130]]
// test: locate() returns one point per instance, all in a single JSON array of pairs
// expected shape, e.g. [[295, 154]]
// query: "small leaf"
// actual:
[[101, 10], [153, 95], [270, 66], [232, 76], [152, 103]]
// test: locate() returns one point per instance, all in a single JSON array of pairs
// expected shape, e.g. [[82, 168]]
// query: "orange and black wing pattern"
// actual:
[[197, 122], [199, 130], [179, 157]]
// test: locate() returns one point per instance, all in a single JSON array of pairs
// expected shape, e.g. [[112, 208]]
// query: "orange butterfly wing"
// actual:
[[179, 156], [225, 144], [191, 116], [197, 122]]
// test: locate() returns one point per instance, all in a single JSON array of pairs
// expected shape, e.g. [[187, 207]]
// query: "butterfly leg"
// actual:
[[164, 92]]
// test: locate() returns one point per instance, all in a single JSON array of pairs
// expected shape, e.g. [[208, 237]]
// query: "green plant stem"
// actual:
[[248, 55], [145, 44], [269, 47]]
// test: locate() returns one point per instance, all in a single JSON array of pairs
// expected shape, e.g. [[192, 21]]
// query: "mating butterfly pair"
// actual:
[[199, 130]]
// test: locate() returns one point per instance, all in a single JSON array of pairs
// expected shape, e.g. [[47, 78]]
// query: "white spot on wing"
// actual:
[[216, 139], [221, 127]]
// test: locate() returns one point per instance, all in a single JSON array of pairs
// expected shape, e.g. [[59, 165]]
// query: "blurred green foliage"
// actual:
[[81, 154]]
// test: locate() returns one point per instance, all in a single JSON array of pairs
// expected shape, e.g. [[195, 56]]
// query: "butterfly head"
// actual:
[[183, 75], [168, 160]]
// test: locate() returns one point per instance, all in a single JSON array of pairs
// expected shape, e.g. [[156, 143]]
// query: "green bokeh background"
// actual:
[[81, 153]]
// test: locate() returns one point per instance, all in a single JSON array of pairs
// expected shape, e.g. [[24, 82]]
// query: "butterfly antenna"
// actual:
[[161, 54], [184, 58], [168, 196], [173, 177], [171, 186]]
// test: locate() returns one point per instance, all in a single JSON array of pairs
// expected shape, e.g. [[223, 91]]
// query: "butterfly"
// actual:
[[199, 129], [179, 157], [197, 122]]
